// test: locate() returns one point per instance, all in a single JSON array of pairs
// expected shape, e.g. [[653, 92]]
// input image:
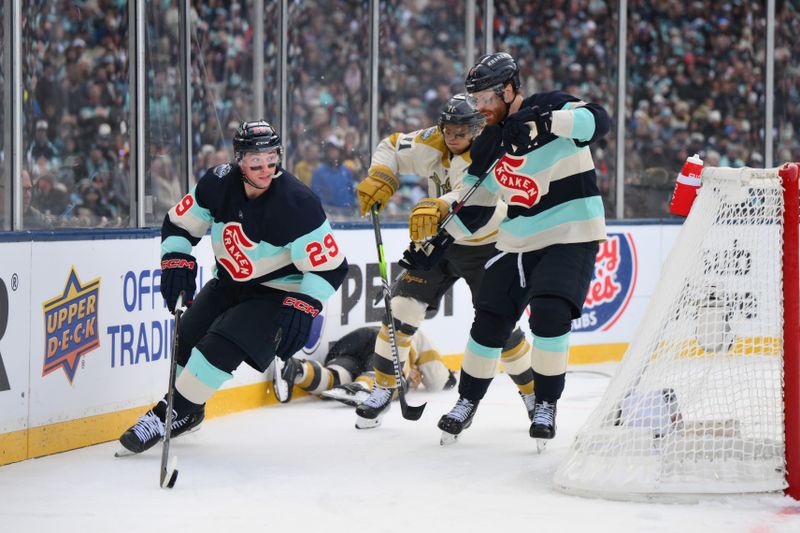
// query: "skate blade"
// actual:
[[447, 439], [541, 444], [123, 452], [367, 423]]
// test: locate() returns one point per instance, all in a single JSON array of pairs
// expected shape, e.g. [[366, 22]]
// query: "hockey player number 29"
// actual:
[[319, 255]]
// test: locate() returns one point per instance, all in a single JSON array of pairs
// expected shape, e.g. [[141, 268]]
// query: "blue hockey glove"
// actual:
[[293, 322], [423, 256], [178, 273]]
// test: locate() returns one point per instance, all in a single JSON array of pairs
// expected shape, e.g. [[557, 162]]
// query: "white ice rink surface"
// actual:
[[304, 467]]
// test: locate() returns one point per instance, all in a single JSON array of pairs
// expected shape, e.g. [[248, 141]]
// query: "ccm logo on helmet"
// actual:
[[176, 263], [300, 305]]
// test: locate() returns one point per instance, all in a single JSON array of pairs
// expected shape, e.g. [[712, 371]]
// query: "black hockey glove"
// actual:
[[517, 127], [293, 323], [423, 256], [178, 272]]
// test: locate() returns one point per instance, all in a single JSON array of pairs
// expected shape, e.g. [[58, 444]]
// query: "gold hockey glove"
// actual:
[[376, 188], [425, 217]]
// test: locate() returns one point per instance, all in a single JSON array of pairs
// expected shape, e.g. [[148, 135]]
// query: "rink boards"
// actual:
[[85, 336]]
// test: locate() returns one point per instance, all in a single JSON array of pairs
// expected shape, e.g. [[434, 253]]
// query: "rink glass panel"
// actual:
[[573, 50], [787, 83], [695, 85], [76, 114], [422, 64], [162, 132], [223, 70], [328, 101]]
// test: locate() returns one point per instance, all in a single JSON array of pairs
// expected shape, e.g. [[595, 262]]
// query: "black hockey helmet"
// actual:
[[460, 109], [493, 70], [256, 136]]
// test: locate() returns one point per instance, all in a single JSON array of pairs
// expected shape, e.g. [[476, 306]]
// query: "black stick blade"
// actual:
[[411, 412]]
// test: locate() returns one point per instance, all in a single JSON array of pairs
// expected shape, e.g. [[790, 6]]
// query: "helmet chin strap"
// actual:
[[250, 183]]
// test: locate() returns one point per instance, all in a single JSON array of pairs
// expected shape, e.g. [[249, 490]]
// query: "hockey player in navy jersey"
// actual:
[[277, 261], [441, 154], [547, 242]]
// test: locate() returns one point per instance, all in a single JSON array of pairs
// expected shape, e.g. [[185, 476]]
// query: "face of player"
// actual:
[[260, 167], [457, 137], [490, 105]]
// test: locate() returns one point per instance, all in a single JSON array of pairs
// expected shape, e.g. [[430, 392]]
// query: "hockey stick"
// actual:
[[410, 412], [279, 384], [446, 220], [169, 468]]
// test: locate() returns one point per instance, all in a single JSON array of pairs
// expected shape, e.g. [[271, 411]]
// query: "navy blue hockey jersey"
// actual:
[[281, 239], [550, 185]]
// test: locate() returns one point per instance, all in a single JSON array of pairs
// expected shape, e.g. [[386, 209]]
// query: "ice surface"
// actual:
[[304, 467]]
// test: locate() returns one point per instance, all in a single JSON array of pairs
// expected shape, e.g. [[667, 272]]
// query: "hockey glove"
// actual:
[[178, 273], [423, 223], [376, 188], [423, 256], [293, 321], [523, 127]]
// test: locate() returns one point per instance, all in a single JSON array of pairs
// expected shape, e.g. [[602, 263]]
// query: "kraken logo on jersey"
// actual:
[[238, 264], [524, 188]]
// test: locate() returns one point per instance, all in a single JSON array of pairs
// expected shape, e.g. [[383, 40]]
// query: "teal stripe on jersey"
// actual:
[[291, 278], [582, 124], [483, 351], [197, 210], [465, 232], [316, 287], [552, 344], [178, 370], [548, 155], [490, 184], [260, 251], [576, 210], [204, 371], [318, 235], [176, 244]]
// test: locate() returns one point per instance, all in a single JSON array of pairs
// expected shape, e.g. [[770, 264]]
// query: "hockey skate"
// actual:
[[543, 425], [457, 420], [530, 401], [150, 429], [452, 380], [371, 411], [351, 394], [292, 370]]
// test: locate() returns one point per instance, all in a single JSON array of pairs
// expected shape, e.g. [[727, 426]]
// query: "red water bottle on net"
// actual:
[[686, 187]]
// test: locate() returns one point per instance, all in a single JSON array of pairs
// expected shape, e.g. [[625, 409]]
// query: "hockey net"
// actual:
[[697, 403]]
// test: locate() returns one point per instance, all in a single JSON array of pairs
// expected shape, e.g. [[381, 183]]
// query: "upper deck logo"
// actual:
[[615, 273], [525, 190], [71, 325]]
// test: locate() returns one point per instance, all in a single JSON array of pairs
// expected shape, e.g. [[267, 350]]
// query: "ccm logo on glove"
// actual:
[[300, 305], [176, 263]]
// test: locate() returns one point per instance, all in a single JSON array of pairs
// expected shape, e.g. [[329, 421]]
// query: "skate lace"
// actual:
[[149, 426], [378, 397], [461, 410], [530, 401], [544, 414]]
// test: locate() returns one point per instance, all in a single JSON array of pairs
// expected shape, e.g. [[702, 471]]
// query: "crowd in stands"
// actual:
[[695, 84]]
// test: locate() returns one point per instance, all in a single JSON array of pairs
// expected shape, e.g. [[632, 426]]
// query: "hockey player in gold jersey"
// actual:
[[440, 154]]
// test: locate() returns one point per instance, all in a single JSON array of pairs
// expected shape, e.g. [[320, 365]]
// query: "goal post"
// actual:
[[707, 397]]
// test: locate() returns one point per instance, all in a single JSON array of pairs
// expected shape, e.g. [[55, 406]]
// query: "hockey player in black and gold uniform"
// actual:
[[347, 375], [277, 261], [548, 241], [441, 154]]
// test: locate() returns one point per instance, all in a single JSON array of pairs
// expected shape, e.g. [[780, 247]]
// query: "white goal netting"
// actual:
[[696, 403]]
